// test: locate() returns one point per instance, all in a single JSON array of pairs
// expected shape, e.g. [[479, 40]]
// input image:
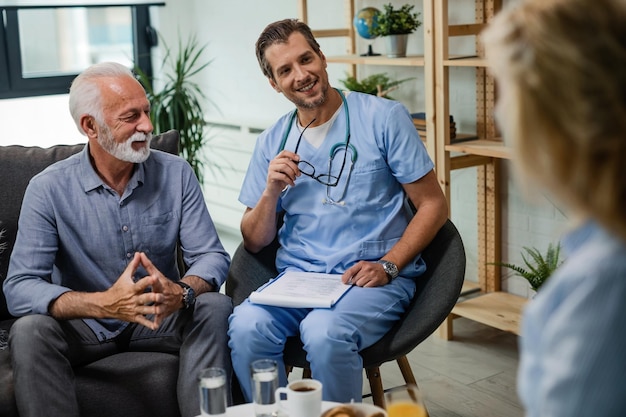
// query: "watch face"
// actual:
[[390, 268], [189, 295]]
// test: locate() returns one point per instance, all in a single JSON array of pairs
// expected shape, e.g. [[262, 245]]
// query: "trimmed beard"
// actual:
[[311, 104], [124, 151]]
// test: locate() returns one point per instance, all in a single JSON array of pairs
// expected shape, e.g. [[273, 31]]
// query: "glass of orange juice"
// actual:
[[405, 401]]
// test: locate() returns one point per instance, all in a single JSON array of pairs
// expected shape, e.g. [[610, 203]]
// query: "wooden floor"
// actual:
[[473, 375], [470, 376]]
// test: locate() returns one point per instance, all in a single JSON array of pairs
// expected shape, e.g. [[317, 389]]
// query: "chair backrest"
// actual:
[[437, 292], [248, 271]]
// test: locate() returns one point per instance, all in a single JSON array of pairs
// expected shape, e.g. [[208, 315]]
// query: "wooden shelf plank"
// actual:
[[408, 61], [483, 147], [467, 161], [496, 309], [469, 287], [472, 61], [331, 33]]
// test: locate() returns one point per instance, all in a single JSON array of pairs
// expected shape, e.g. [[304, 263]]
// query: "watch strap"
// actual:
[[189, 295]]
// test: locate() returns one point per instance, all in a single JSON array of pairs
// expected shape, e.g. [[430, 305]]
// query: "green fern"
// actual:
[[374, 84], [538, 268]]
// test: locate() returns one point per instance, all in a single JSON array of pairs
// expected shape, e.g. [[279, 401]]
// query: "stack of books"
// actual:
[[419, 121]]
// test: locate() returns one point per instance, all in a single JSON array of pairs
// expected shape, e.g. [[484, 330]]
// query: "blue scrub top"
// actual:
[[330, 238]]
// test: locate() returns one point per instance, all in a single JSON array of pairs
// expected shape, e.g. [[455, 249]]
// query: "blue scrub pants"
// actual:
[[332, 337]]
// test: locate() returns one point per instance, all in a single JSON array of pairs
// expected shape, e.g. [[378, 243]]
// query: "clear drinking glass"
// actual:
[[405, 401], [213, 392], [264, 374]]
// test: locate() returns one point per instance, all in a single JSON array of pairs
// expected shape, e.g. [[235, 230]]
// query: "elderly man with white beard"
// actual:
[[94, 269]]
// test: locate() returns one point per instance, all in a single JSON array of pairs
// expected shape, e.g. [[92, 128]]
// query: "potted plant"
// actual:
[[179, 103], [396, 25], [376, 84], [538, 267]]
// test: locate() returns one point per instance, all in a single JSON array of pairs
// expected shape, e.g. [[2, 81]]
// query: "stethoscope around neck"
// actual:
[[333, 151]]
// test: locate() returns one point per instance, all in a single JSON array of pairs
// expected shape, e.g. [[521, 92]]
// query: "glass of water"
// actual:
[[264, 374], [213, 392]]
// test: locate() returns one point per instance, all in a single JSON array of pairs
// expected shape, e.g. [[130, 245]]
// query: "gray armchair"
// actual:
[[437, 292], [132, 384]]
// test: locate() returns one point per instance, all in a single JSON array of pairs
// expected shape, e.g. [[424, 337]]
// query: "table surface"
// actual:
[[246, 410]]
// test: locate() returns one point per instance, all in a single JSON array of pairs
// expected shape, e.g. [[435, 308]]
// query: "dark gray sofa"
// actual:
[[133, 384]]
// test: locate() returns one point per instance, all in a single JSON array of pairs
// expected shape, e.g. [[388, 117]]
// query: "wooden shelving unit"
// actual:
[[408, 61], [488, 304], [418, 61]]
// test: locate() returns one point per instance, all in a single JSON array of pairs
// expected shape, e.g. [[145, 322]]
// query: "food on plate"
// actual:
[[353, 410]]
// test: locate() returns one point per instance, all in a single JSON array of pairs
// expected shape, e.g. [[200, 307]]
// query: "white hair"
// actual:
[[85, 94]]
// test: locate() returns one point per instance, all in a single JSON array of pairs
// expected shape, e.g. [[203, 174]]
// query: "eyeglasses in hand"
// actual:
[[308, 169]]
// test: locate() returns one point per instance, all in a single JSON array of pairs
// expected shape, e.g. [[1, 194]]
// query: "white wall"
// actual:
[[243, 97], [37, 121]]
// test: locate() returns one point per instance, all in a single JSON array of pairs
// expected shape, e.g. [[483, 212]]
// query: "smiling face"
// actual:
[[126, 129], [299, 73]]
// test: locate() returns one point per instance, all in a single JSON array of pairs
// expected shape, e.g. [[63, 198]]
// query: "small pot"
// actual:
[[396, 45]]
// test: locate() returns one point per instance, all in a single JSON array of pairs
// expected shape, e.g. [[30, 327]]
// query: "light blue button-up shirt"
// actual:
[[573, 344], [76, 233]]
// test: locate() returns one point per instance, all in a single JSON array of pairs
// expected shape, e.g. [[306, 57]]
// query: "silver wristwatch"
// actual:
[[390, 268]]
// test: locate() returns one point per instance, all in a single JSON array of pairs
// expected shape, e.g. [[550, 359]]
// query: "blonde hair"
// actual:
[[560, 66]]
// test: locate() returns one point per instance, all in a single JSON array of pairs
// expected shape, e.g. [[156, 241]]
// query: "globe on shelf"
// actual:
[[364, 21]]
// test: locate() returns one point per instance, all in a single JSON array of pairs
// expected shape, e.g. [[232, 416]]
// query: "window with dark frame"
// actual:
[[44, 45]]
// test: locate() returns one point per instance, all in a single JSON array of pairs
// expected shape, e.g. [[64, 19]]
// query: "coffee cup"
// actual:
[[302, 398]]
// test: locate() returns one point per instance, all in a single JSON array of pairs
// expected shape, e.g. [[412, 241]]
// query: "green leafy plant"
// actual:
[[179, 103], [538, 267], [396, 21], [376, 84]]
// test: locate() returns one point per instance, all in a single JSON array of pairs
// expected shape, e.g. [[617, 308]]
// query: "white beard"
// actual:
[[124, 151]]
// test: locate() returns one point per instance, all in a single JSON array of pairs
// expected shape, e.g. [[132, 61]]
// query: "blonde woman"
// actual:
[[560, 67]]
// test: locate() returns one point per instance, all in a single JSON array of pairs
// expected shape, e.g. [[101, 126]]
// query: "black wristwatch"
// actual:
[[189, 295], [390, 268]]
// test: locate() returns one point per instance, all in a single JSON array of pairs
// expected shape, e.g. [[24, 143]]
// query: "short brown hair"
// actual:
[[279, 32]]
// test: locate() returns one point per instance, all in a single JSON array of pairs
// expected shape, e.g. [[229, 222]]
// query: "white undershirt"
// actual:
[[316, 135]]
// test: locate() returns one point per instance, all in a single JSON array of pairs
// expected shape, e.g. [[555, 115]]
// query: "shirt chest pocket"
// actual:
[[372, 183], [158, 234]]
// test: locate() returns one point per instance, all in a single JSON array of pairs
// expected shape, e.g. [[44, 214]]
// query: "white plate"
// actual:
[[360, 409]]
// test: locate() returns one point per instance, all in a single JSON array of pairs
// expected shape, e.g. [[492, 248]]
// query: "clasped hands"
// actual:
[[153, 296]]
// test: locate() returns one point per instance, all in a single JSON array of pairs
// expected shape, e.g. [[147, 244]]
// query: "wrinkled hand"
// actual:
[[282, 172], [153, 295], [171, 293], [365, 274]]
